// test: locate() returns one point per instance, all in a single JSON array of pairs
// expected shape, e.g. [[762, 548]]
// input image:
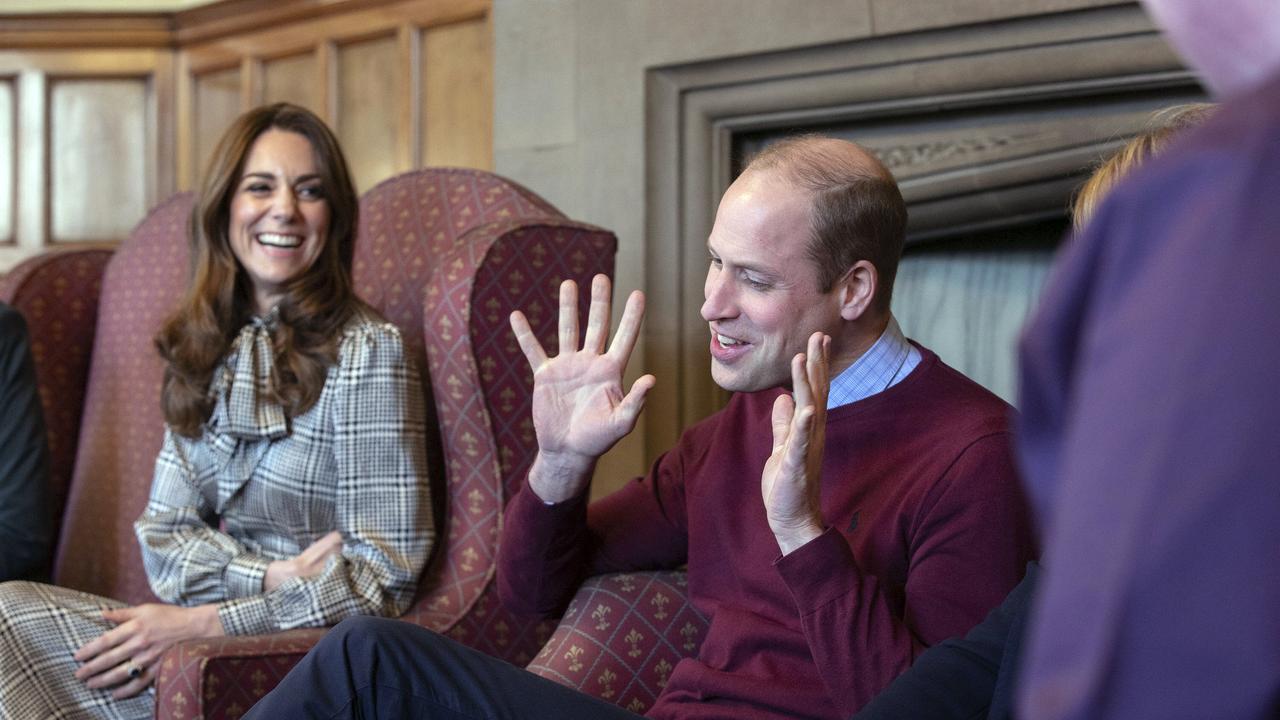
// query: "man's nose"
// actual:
[[717, 292]]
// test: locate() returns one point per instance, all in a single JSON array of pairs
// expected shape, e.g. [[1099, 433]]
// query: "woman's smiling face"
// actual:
[[279, 216]]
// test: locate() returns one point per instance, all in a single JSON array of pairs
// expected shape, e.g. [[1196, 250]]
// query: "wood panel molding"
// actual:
[[246, 17], [59, 31], [208, 23]]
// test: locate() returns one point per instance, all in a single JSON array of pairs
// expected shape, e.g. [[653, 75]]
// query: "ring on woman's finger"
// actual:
[[134, 670]]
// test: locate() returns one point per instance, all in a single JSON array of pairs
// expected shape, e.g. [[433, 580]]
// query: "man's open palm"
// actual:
[[580, 409]]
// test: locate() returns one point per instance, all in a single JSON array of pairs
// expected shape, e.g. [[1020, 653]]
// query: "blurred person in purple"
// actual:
[[1150, 413]]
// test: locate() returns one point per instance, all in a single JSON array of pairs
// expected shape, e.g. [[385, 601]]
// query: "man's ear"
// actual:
[[857, 289]]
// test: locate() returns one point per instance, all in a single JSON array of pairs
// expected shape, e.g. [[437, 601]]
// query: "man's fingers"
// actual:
[[816, 367], [529, 344], [800, 381], [783, 408], [631, 405], [568, 325], [624, 341], [598, 315], [798, 444]]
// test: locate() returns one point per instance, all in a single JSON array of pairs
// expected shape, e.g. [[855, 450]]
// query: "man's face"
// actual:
[[762, 295]]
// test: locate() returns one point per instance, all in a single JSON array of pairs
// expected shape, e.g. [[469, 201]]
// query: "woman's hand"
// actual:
[[125, 656], [308, 563]]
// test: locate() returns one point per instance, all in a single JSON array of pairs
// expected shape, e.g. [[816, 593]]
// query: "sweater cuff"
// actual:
[[246, 616], [243, 576], [529, 512], [813, 572]]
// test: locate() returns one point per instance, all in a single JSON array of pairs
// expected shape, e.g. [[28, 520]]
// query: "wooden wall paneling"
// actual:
[[327, 67], [367, 125], [294, 79], [8, 158], [32, 168], [403, 82], [162, 164], [217, 102], [99, 176], [31, 189], [250, 83], [409, 96], [457, 75], [186, 164]]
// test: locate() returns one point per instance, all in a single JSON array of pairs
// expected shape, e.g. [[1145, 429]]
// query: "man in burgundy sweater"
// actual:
[[824, 570]]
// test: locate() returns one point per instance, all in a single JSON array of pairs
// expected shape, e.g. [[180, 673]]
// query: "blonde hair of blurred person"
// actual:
[[1163, 126]]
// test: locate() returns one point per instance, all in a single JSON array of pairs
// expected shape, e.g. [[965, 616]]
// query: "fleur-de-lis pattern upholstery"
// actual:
[[446, 254], [622, 636], [58, 294], [121, 427]]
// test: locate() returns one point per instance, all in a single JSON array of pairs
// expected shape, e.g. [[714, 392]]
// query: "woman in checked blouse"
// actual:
[[291, 488]]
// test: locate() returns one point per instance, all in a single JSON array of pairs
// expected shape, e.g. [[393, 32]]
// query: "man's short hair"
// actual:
[[857, 211]]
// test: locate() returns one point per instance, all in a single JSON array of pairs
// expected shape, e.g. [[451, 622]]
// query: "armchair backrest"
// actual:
[[455, 251], [122, 427], [58, 295]]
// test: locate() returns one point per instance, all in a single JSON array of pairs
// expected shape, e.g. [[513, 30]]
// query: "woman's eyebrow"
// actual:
[[271, 176]]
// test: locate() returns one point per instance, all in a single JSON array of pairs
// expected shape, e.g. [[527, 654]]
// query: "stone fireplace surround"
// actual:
[[988, 128]]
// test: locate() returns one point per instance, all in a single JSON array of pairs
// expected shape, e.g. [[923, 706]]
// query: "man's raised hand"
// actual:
[[791, 481], [580, 409]]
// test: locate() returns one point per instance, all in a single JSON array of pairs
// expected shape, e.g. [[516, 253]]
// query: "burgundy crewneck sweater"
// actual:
[[927, 531]]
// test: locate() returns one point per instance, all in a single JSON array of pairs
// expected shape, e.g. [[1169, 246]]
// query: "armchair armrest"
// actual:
[[622, 636], [223, 677]]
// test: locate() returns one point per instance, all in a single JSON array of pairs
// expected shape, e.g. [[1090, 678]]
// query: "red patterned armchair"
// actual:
[[446, 255], [621, 637]]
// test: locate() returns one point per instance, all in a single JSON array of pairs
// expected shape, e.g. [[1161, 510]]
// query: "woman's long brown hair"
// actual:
[[219, 299]]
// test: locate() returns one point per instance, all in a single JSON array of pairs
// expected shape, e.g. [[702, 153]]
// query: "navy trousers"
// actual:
[[377, 668]]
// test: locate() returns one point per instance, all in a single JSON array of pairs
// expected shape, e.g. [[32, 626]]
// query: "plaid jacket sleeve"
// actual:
[[187, 560], [382, 502]]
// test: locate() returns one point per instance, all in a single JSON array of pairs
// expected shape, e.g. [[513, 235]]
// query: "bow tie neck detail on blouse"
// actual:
[[251, 412]]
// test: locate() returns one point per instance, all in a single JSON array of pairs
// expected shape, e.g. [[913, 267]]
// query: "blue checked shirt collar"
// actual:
[[884, 365]]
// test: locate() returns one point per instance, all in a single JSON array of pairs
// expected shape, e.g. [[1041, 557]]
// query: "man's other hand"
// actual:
[[791, 483]]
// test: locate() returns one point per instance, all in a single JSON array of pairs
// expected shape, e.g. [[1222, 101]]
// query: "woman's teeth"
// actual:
[[279, 240]]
